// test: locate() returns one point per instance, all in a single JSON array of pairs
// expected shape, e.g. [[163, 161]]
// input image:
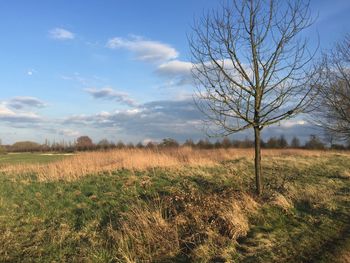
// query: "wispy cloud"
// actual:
[[85, 80], [23, 102], [61, 34], [76, 77], [146, 50], [111, 94]]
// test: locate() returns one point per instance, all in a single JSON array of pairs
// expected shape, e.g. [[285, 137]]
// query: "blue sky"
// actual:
[[113, 69]]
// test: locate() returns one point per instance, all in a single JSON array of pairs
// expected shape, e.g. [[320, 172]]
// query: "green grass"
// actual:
[[17, 158], [77, 221]]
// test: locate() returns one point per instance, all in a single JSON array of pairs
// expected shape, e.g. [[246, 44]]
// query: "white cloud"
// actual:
[[175, 68], [17, 117], [69, 133], [30, 72], [177, 72], [111, 94], [24, 101], [61, 34], [157, 119], [146, 50], [292, 123], [4, 111]]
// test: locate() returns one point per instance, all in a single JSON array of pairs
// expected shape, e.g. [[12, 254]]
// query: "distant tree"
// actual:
[[314, 143], [217, 144], [84, 143], [189, 143], [70, 147], [104, 144], [329, 138], [338, 147], [25, 146], [282, 142], [277, 143], [139, 145], [2, 148], [246, 143], [236, 143], [120, 145], [204, 144], [46, 146], [295, 143], [151, 145], [272, 143], [57, 147], [169, 142], [226, 143], [130, 145]]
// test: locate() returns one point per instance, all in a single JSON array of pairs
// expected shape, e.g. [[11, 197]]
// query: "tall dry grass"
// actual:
[[86, 163], [191, 224]]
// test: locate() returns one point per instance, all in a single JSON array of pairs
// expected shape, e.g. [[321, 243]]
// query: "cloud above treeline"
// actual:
[[179, 119], [11, 116], [158, 119], [19, 110]]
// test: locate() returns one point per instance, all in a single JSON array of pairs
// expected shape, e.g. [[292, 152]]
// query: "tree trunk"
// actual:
[[257, 161]]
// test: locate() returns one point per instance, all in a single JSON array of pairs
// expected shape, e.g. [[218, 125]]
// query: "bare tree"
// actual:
[[84, 143], [251, 66], [333, 111]]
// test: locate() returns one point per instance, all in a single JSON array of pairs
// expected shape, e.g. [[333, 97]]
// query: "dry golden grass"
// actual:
[[344, 257], [145, 235], [154, 232], [281, 201], [86, 163], [205, 215]]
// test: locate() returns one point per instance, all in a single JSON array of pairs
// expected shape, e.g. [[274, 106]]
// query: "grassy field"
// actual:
[[176, 206], [20, 158]]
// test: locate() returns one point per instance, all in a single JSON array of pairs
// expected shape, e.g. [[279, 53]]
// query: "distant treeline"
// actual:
[[84, 143]]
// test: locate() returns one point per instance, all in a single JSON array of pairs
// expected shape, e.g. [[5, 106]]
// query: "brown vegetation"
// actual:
[[190, 223], [86, 163]]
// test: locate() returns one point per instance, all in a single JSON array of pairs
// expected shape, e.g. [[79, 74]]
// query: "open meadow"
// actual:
[[29, 158], [176, 131], [175, 205]]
